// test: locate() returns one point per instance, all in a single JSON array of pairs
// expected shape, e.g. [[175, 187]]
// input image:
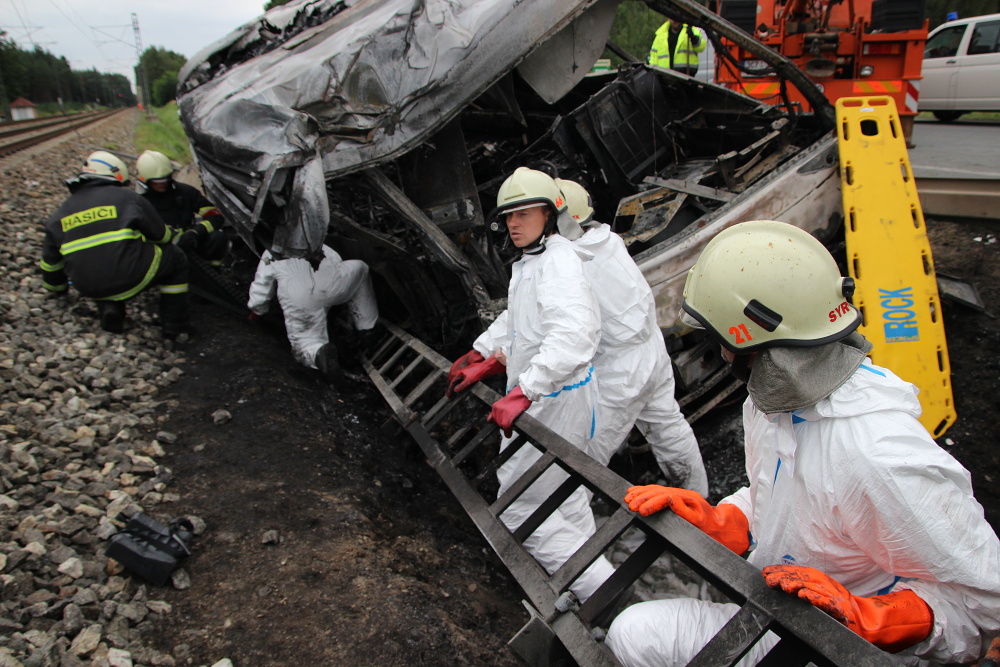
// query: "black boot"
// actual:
[[172, 330], [112, 315], [329, 365]]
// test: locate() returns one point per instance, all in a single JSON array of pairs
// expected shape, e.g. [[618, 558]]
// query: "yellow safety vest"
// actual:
[[685, 54]]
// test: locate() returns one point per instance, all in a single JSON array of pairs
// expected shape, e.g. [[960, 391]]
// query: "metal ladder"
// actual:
[[464, 449]]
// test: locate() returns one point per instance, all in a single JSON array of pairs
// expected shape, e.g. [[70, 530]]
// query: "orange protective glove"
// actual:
[[725, 523], [892, 621], [992, 658], [509, 408], [467, 359], [470, 375]]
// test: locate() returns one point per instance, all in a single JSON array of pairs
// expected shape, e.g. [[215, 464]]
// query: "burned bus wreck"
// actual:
[[385, 129]]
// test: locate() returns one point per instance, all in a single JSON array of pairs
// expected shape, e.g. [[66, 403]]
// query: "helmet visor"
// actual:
[[688, 319], [523, 207]]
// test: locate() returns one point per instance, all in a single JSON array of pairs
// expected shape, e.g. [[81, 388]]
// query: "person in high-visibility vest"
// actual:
[[676, 46]]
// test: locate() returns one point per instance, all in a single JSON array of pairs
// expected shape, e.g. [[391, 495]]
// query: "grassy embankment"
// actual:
[[163, 132]]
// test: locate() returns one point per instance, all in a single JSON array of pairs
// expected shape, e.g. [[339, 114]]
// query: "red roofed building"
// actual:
[[22, 109]]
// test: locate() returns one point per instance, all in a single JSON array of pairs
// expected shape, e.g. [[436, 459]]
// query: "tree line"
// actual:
[[48, 81]]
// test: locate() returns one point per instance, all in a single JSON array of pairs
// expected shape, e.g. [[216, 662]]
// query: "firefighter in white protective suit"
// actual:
[[851, 504], [637, 379], [547, 338], [307, 289]]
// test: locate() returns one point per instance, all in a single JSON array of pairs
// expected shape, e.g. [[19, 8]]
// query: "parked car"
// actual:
[[961, 68], [385, 129]]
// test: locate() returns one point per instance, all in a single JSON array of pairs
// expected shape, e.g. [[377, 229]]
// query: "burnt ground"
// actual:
[[376, 562]]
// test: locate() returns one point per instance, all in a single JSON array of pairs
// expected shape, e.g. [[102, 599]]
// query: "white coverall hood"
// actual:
[[628, 311], [637, 380]]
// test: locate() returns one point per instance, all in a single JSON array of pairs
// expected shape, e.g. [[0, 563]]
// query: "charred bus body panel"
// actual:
[[386, 127]]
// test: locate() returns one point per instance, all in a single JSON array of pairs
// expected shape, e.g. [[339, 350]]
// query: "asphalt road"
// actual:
[[964, 149]]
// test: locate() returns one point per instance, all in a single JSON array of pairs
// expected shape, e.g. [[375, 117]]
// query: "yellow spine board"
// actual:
[[889, 256]]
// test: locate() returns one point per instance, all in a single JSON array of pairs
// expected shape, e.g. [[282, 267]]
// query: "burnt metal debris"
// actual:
[[464, 450], [385, 127]]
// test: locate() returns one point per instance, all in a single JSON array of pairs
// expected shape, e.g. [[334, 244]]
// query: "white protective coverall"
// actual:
[[855, 487], [637, 378], [550, 332], [306, 296]]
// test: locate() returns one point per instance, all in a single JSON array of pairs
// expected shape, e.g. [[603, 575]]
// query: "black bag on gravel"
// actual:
[[148, 549]]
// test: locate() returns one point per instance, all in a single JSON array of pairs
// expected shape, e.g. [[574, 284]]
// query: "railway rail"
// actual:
[[464, 450], [18, 135]]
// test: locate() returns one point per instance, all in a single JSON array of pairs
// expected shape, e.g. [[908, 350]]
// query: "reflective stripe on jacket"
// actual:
[[183, 206], [686, 53], [104, 238]]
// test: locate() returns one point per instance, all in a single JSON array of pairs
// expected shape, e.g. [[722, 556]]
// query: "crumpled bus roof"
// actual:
[[339, 85]]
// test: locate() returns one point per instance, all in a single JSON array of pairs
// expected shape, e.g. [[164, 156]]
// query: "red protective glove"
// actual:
[[467, 359], [253, 317], [470, 375], [726, 523], [892, 621], [509, 408]]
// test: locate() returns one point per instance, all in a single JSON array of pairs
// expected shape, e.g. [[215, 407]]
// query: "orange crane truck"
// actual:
[[847, 47]]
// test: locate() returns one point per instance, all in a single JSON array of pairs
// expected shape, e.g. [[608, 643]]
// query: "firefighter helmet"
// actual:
[[765, 284], [526, 188], [578, 200], [152, 165], [102, 164]]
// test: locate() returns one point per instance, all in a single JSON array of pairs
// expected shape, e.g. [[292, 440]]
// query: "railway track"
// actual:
[[18, 135]]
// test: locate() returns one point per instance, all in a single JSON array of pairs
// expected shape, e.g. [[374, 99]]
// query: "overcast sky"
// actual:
[[98, 33]]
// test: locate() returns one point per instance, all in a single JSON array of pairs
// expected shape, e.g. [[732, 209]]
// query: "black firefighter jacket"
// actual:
[[105, 239]]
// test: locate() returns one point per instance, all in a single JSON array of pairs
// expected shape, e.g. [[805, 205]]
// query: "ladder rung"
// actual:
[[393, 359], [546, 509], [406, 371], [522, 483], [472, 445], [424, 385]]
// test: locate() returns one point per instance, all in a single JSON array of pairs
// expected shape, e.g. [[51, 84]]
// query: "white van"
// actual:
[[962, 68]]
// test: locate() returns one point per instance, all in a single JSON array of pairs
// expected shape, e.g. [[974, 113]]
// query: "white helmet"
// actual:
[[152, 165], [102, 164], [526, 188], [578, 200], [765, 284]]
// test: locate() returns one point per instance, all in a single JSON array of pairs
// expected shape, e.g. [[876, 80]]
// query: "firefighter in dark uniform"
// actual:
[[110, 244], [183, 208]]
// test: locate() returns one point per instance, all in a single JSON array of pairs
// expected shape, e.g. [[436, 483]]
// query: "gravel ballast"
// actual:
[[79, 437]]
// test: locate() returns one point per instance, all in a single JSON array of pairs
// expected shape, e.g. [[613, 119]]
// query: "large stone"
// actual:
[[7, 658], [221, 416], [72, 619], [119, 658], [87, 640], [72, 567]]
